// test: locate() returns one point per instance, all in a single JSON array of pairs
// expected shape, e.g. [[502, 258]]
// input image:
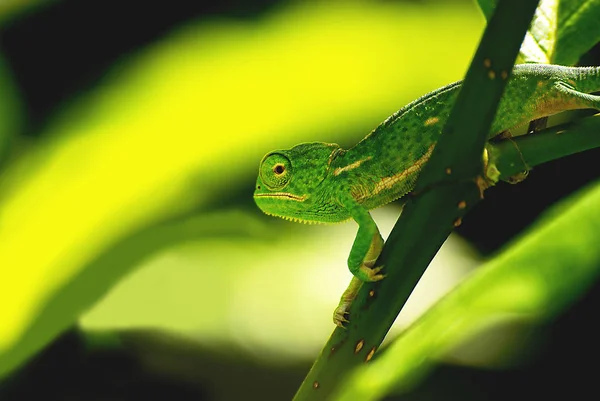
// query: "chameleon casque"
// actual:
[[322, 183]]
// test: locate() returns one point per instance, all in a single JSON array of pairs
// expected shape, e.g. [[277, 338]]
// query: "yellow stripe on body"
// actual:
[[349, 167], [389, 182]]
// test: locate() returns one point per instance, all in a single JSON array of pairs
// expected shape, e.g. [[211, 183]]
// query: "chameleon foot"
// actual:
[[340, 313], [370, 274], [517, 178]]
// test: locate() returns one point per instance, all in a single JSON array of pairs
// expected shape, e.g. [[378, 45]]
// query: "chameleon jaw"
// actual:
[[285, 196]]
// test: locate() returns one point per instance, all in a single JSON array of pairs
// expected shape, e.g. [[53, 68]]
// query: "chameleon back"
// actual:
[[392, 154]]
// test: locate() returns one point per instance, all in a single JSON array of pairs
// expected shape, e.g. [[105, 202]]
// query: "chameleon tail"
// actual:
[[587, 79]]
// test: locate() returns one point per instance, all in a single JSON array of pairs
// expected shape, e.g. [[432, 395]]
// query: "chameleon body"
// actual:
[[323, 183]]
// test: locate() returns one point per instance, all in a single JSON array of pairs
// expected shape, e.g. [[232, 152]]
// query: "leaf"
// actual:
[[578, 30], [245, 274], [561, 31], [183, 125], [10, 111], [487, 7], [9, 9], [532, 280]]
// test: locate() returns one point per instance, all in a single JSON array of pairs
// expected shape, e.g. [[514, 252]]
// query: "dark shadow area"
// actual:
[[148, 365], [563, 370]]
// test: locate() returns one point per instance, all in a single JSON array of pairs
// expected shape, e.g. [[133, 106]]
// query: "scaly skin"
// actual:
[[322, 183]]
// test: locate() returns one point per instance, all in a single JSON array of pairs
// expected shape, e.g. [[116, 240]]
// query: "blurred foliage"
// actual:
[[561, 32], [131, 206], [181, 126], [10, 9], [10, 111]]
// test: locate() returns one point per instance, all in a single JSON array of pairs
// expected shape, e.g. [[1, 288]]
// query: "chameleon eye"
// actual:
[[278, 169], [275, 170]]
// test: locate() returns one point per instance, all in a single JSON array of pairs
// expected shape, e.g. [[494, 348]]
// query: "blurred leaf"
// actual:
[[252, 293], [10, 111], [10, 8], [561, 31], [532, 280], [184, 124], [487, 7]]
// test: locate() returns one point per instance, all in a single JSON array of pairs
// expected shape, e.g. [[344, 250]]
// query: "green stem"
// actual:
[[553, 143], [446, 190]]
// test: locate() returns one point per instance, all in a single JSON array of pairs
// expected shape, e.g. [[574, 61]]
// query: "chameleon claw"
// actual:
[[339, 315], [517, 178], [366, 274], [370, 274]]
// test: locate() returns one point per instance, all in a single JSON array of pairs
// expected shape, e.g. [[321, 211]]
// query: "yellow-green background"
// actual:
[[131, 206]]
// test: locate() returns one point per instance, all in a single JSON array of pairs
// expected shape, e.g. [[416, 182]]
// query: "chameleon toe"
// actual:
[[339, 315], [370, 274]]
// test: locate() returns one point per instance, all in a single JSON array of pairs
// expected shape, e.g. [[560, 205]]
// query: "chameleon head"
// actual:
[[288, 181]]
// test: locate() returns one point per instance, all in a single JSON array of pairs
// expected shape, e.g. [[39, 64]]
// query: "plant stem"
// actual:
[[552, 143], [446, 189]]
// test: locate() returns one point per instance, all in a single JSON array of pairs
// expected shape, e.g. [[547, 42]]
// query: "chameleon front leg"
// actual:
[[363, 255]]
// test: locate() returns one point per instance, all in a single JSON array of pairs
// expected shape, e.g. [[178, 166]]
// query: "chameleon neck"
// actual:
[[385, 164]]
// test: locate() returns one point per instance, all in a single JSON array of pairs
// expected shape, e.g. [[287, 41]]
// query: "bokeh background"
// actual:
[[133, 262]]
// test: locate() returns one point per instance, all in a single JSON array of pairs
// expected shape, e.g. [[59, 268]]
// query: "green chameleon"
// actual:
[[322, 183]]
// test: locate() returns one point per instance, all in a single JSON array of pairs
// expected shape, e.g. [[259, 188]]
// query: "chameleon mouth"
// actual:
[[284, 195], [294, 219]]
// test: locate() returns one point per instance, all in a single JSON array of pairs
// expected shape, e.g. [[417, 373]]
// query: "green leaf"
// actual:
[[561, 31], [487, 7], [578, 30], [532, 280], [11, 114], [183, 125], [9, 9]]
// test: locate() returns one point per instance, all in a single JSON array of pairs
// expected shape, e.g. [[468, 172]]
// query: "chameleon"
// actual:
[[320, 182]]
